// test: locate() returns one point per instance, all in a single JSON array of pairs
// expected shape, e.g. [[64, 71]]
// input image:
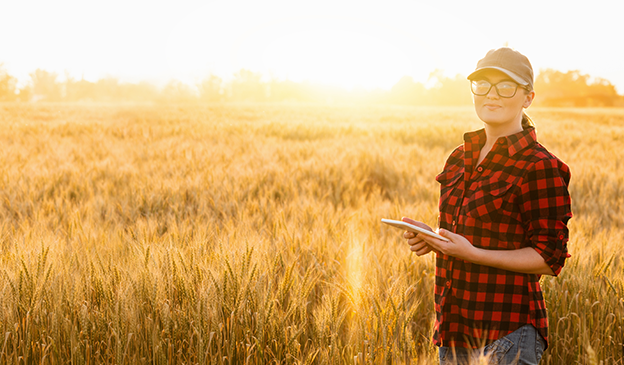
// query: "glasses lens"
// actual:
[[506, 89], [481, 87]]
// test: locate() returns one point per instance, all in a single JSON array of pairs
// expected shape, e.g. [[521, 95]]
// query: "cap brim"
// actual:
[[513, 75]]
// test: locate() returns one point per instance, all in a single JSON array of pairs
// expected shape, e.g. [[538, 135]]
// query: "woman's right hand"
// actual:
[[417, 244]]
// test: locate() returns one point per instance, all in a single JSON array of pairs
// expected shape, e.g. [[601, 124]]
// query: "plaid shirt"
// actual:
[[517, 197]]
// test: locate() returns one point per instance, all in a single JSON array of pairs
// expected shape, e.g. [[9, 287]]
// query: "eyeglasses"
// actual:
[[504, 89]]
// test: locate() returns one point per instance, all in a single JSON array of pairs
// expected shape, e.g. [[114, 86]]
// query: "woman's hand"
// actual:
[[457, 246], [525, 260], [416, 242]]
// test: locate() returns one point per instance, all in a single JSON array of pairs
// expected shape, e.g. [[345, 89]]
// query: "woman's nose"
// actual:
[[493, 93]]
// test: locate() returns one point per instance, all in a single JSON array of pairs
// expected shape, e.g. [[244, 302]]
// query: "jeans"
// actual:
[[523, 346]]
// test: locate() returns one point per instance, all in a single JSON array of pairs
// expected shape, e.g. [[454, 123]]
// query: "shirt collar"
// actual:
[[514, 143]]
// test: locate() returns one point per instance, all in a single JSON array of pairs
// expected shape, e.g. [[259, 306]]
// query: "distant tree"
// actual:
[[444, 91], [24, 94], [178, 92], [78, 90], [108, 89], [7, 85], [572, 88], [143, 91], [602, 93], [408, 92], [448, 91], [247, 86], [44, 86], [211, 89], [285, 90]]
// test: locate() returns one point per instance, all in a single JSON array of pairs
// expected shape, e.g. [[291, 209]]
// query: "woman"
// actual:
[[504, 206]]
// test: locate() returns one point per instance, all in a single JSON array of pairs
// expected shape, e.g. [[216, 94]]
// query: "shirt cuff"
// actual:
[[553, 249]]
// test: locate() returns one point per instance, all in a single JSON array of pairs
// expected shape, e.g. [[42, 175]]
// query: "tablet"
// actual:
[[412, 228]]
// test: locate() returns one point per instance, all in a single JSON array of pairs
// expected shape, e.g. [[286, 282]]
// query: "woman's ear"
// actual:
[[528, 100]]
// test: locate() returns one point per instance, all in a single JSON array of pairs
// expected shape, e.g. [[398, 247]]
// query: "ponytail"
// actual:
[[527, 122]]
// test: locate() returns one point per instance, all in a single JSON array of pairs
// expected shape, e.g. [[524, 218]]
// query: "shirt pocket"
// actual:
[[491, 202], [448, 182]]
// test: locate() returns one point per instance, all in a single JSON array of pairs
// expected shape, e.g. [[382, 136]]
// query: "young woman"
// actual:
[[504, 206]]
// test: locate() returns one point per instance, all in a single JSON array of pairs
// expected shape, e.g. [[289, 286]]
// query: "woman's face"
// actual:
[[496, 110]]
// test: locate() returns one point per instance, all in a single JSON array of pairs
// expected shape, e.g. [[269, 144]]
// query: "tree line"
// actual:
[[554, 88]]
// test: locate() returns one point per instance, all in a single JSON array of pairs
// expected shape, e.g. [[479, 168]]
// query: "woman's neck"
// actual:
[[494, 131]]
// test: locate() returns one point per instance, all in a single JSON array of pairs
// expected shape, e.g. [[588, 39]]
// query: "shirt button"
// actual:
[[448, 284], [454, 222], [480, 168]]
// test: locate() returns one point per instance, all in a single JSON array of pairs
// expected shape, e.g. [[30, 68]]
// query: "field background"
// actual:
[[242, 233]]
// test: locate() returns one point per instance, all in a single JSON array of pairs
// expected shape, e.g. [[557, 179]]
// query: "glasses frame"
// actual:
[[472, 83]]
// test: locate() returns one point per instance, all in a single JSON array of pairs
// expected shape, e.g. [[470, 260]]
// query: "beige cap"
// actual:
[[511, 62]]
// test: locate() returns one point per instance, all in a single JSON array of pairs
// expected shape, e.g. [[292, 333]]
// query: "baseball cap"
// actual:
[[513, 63]]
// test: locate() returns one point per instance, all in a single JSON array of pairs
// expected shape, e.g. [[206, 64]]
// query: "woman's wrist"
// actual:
[[476, 256]]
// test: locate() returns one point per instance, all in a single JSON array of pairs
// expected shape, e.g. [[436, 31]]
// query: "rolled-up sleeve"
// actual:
[[545, 205]]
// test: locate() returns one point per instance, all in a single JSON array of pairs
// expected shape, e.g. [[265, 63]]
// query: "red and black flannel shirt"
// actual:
[[517, 197]]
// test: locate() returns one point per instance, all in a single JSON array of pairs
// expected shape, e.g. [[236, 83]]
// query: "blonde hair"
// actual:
[[527, 122]]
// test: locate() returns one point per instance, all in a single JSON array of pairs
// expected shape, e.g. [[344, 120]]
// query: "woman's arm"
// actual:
[[525, 260]]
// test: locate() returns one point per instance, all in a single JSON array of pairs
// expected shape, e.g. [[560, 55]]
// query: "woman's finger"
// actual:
[[435, 243], [418, 246], [416, 223], [414, 241], [408, 234], [423, 251]]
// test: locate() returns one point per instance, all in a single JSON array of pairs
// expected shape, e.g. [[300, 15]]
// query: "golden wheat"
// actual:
[[227, 234]]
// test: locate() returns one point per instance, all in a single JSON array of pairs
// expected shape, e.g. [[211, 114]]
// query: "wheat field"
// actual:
[[250, 234]]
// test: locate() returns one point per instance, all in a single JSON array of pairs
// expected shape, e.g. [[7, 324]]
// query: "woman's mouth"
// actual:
[[492, 106]]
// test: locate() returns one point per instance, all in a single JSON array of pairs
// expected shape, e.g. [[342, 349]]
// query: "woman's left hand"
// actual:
[[458, 246]]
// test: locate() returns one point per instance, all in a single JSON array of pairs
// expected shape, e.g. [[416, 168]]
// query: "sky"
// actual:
[[345, 43]]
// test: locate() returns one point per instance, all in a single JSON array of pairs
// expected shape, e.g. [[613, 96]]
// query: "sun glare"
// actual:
[[340, 51], [355, 268], [343, 58]]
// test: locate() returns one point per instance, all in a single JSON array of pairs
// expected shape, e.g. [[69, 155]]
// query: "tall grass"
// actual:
[[250, 233]]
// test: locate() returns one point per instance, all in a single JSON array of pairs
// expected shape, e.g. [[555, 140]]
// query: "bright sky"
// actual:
[[347, 43]]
